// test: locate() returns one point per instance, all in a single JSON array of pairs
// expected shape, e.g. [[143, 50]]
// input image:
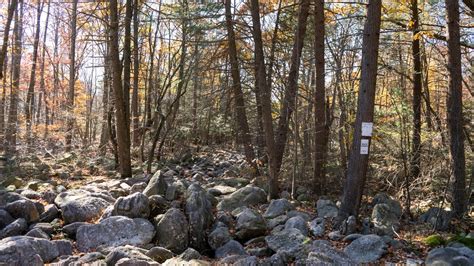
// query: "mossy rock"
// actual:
[[467, 241], [435, 240]]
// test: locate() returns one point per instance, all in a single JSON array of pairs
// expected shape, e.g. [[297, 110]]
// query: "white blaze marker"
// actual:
[[367, 129], [364, 146]]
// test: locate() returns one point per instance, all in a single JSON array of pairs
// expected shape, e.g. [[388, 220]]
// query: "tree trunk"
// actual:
[[357, 168], [454, 104], [6, 32], [136, 72], [123, 131], [16, 65], [72, 77], [42, 80], [127, 59], [241, 114], [321, 135]]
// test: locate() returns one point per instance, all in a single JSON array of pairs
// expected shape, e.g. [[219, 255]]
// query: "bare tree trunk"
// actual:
[[72, 78], [30, 97], [16, 65], [42, 80], [123, 131], [6, 33], [358, 159], [127, 59], [136, 72], [241, 114], [454, 104], [321, 128]]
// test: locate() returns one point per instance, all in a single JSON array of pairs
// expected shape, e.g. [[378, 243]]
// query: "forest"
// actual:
[[236, 132]]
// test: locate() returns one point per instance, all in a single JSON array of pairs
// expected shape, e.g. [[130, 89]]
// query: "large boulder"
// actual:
[[299, 223], [278, 207], [199, 213], [23, 208], [218, 237], [172, 231], [115, 231], [5, 218], [156, 186], [322, 253], [394, 205], [450, 256], [159, 254], [326, 208], [246, 196], [385, 219], [25, 250], [129, 252], [132, 206], [289, 241], [317, 227], [438, 218], [17, 227], [81, 205], [250, 224], [230, 248], [366, 249]]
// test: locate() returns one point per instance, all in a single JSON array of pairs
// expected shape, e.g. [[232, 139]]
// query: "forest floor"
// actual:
[[204, 200]]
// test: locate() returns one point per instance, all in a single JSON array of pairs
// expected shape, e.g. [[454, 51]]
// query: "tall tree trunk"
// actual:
[[30, 97], [16, 65], [127, 59], [321, 135], [265, 97], [123, 131], [136, 72], [357, 168], [42, 80], [291, 90], [72, 78], [241, 114], [6, 33], [454, 104]]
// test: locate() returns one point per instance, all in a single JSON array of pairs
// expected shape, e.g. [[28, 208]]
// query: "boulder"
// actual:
[[115, 231], [349, 225], [366, 249], [172, 231], [23, 208], [156, 186], [385, 219], [299, 223], [326, 208], [127, 251], [158, 205], [384, 198], [38, 233], [278, 207], [230, 248], [25, 250], [199, 213], [17, 227], [71, 229], [8, 197], [317, 227], [5, 218], [239, 260], [135, 262], [180, 262], [190, 254], [250, 224], [132, 206], [50, 213], [221, 190], [438, 218], [80, 205], [246, 196], [272, 223], [289, 240], [218, 237], [159, 254], [322, 253], [45, 227], [449, 256]]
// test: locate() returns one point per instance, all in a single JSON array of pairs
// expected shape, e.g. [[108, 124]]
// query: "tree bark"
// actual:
[[127, 58], [454, 104], [43, 56], [136, 72], [357, 168], [241, 114], [123, 131], [72, 78], [6, 33]]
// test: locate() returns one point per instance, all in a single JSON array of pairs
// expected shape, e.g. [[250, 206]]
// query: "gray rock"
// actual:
[[317, 227], [71, 229], [299, 223], [385, 219], [25, 209], [366, 249], [448, 256], [8, 197], [260, 252], [246, 196], [322, 253], [277, 207], [91, 257], [45, 227], [230, 248], [326, 208], [159, 254], [190, 254], [138, 187], [171, 192], [306, 216], [218, 237], [394, 205], [239, 260], [38, 233], [199, 213], [221, 190], [180, 262], [17, 227], [135, 262], [127, 251], [24, 250], [275, 260], [290, 241], [438, 218], [80, 205], [172, 231], [335, 235], [250, 224], [50, 213], [64, 247], [115, 231], [5, 218], [132, 206], [351, 237], [272, 223], [156, 186], [158, 205], [349, 225]]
